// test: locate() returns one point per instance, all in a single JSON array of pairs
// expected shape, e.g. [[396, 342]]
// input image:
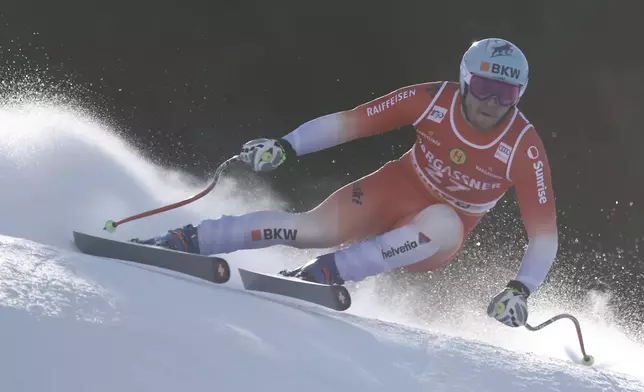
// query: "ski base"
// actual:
[[210, 268], [331, 296]]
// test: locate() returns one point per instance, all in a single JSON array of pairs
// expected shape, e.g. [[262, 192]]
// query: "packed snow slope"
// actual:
[[71, 322]]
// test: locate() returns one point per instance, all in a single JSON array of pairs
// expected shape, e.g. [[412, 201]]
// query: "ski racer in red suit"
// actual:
[[473, 144]]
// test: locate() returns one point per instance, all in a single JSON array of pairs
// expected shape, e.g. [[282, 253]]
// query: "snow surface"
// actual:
[[72, 322]]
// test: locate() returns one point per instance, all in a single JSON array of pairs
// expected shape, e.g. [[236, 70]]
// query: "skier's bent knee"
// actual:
[[435, 231]]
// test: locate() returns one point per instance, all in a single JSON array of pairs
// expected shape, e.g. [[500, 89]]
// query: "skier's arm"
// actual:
[[398, 108], [530, 172]]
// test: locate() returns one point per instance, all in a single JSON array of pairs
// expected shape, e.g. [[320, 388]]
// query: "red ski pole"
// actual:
[[110, 226]]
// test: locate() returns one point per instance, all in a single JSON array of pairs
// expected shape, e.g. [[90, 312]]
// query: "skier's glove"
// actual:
[[510, 305], [264, 155]]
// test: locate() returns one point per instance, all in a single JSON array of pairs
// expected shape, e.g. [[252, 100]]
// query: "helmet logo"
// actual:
[[499, 69], [502, 50]]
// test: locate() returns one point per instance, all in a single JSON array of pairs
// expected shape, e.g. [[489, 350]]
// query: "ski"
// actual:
[[210, 268], [335, 297]]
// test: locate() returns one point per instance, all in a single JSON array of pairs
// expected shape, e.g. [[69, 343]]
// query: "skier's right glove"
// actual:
[[263, 155], [510, 305]]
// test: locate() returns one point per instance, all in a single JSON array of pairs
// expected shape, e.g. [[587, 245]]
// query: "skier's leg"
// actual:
[[432, 236], [436, 232], [363, 208], [441, 259]]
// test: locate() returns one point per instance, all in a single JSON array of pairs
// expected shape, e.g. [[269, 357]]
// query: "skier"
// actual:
[[473, 144]]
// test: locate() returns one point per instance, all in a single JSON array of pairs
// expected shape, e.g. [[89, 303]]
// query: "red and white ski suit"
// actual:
[[388, 213]]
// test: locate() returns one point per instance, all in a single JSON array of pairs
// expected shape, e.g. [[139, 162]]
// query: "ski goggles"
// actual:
[[483, 88]]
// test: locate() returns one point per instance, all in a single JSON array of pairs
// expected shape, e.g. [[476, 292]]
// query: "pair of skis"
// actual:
[[217, 270], [214, 269]]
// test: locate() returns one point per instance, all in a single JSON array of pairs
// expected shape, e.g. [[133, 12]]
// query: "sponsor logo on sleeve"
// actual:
[[537, 165], [384, 105]]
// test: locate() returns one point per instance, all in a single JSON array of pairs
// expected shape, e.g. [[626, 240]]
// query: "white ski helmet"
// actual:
[[497, 59]]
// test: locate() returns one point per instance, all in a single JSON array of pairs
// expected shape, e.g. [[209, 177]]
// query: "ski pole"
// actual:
[[587, 359], [111, 226]]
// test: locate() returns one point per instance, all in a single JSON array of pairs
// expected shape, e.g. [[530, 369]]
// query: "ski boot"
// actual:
[[322, 270], [183, 239]]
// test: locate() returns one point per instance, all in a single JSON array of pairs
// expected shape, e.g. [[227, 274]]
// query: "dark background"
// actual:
[[191, 81]]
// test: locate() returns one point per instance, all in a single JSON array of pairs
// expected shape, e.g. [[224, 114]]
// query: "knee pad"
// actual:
[[441, 224]]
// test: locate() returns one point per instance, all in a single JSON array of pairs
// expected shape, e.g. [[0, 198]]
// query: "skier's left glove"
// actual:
[[264, 155], [510, 305]]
